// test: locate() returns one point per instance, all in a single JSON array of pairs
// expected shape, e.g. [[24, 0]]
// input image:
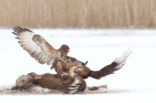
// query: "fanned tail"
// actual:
[[111, 68]]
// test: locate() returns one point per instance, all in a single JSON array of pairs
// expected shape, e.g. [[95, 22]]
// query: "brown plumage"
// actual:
[[66, 85], [38, 47], [76, 67], [64, 49], [23, 82], [51, 81], [43, 52]]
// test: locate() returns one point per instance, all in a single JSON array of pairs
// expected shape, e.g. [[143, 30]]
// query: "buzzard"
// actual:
[[39, 48], [69, 85], [63, 64]]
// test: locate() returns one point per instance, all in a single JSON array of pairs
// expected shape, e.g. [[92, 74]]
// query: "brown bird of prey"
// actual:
[[44, 53], [39, 48], [70, 85]]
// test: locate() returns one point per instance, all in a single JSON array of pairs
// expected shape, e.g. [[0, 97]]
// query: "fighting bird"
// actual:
[[69, 85], [63, 64]]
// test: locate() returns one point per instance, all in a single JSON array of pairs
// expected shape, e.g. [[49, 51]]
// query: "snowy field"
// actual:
[[134, 83]]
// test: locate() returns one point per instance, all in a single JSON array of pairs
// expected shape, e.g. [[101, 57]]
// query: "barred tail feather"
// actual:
[[114, 66]]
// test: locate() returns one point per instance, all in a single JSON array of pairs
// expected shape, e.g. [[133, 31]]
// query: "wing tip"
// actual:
[[122, 59], [18, 30]]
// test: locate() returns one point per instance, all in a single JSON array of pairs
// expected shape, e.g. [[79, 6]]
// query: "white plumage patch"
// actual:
[[73, 88], [35, 45], [124, 56], [121, 59]]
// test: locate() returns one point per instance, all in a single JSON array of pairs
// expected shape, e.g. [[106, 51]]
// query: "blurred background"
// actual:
[[95, 30], [78, 13]]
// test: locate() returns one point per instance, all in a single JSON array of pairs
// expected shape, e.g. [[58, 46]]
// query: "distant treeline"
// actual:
[[78, 13]]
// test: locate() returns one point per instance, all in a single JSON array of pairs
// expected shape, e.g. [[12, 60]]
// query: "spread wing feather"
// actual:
[[35, 45]]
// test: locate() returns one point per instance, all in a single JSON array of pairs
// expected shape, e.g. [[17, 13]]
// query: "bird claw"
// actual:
[[86, 62]]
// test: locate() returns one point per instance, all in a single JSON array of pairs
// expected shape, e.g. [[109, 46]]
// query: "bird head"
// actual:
[[64, 49], [23, 82]]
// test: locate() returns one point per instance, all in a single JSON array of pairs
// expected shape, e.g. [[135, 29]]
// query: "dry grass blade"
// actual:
[[78, 13]]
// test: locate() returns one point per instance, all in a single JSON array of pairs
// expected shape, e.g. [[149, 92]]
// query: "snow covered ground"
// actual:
[[134, 83]]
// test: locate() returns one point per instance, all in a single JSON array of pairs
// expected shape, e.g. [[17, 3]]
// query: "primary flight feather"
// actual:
[[44, 53], [38, 47]]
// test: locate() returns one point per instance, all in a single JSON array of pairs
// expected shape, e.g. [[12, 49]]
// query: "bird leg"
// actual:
[[97, 87]]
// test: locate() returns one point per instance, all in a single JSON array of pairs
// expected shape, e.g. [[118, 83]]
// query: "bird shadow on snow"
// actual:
[[41, 91], [106, 91]]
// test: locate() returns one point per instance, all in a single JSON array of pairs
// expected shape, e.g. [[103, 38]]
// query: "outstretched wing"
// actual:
[[35, 45], [111, 68]]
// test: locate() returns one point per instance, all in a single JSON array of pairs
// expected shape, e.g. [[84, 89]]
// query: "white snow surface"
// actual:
[[134, 83]]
